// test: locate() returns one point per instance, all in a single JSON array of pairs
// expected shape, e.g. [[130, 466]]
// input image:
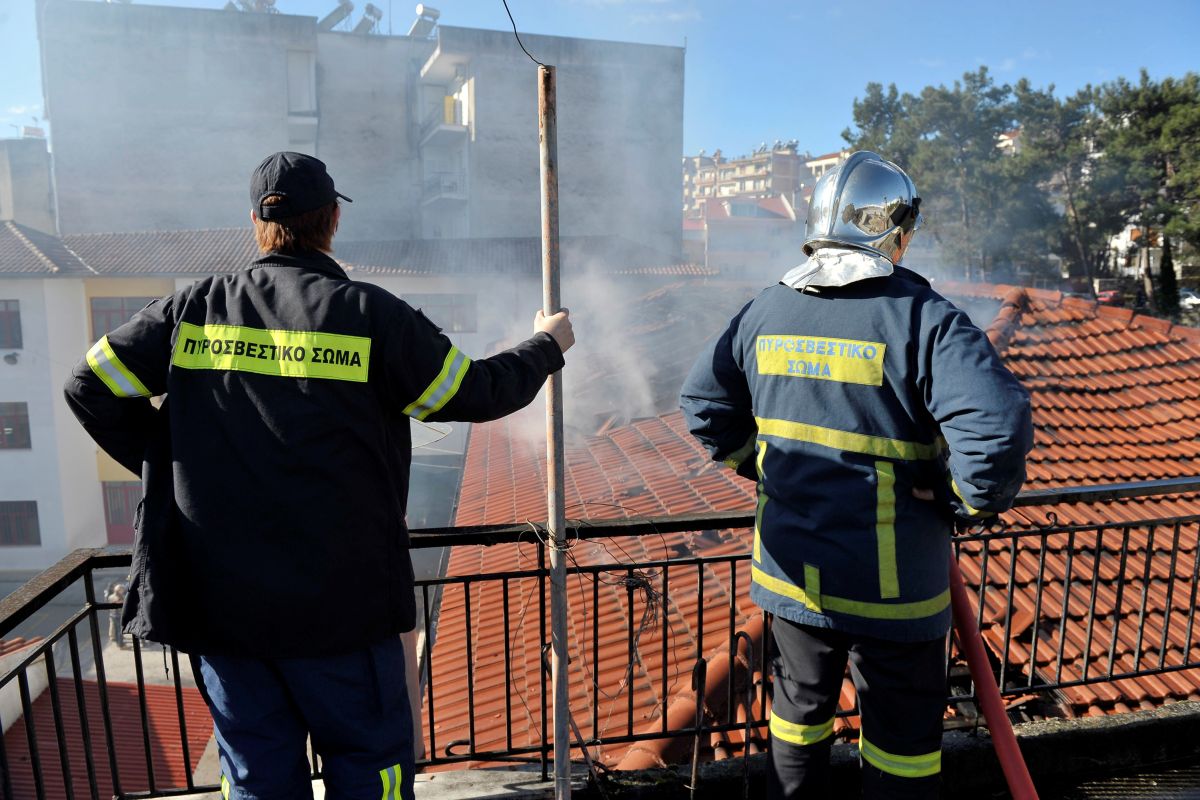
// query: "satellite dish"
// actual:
[[426, 433]]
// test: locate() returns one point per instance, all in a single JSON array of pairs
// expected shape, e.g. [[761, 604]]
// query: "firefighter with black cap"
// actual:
[[872, 413], [271, 544]]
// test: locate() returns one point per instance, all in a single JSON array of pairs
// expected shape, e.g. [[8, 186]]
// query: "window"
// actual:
[[14, 426], [121, 499], [454, 312], [10, 324], [19, 523], [110, 313]]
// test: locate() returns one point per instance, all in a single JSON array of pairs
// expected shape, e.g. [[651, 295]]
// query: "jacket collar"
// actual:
[[310, 259]]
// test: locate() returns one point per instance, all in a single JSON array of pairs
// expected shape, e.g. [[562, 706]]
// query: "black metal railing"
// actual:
[[665, 645]]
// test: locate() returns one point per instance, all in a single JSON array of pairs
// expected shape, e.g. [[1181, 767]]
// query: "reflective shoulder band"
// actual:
[[116, 376], [443, 387]]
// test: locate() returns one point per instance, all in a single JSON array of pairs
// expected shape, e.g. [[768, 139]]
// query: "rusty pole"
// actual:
[[555, 479]]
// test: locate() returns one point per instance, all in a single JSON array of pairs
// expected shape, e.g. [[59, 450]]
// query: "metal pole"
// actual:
[[555, 479]]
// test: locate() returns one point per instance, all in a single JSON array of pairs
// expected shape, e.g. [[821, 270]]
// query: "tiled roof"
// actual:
[[1115, 399], [16, 644], [25, 251], [170, 767], [220, 250], [196, 253]]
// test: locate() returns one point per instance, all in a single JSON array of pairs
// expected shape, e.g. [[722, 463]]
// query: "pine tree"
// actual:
[[1168, 289]]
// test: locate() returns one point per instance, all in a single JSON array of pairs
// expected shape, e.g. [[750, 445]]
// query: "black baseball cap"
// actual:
[[300, 180]]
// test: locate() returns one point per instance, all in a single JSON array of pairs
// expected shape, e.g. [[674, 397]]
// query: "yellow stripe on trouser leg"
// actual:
[[803, 735], [903, 766], [391, 779], [225, 787]]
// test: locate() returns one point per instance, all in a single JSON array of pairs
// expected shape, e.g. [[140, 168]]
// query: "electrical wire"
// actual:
[[514, 26]]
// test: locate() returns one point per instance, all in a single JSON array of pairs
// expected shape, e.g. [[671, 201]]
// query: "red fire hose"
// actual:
[[1016, 774]]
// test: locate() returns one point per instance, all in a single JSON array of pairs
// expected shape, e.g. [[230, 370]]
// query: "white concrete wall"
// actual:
[[33, 474]]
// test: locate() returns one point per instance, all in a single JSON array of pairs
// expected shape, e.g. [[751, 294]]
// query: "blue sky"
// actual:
[[760, 70]]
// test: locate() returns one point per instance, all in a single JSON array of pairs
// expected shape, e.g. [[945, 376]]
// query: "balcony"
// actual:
[[669, 655], [448, 188], [444, 127]]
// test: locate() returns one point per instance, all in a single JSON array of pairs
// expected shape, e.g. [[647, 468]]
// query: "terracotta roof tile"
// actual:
[[28, 252]]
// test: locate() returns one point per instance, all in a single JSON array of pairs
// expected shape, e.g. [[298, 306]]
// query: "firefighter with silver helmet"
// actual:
[[871, 413]]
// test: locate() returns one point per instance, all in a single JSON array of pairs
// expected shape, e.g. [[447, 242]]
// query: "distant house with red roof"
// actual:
[[1116, 397]]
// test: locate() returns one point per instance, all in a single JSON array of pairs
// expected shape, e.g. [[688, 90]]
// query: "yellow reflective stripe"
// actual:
[[391, 782], [974, 512], [885, 529], [812, 588], [741, 454], [443, 387], [116, 376], [762, 503], [917, 609], [288, 354], [225, 787], [904, 766], [878, 446], [800, 734]]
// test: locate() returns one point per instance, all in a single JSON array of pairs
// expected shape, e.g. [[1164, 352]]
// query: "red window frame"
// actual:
[[14, 426], [120, 504], [19, 523], [110, 313]]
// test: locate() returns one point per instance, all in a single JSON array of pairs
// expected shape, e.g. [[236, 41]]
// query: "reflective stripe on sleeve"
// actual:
[[443, 388], [741, 454], [116, 376], [974, 512], [903, 766], [878, 446], [803, 735], [391, 779]]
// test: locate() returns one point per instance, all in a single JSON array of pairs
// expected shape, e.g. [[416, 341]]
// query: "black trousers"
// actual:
[[901, 690]]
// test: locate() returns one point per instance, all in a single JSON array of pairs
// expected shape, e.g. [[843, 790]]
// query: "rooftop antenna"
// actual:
[[370, 19], [426, 21], [327, 23]]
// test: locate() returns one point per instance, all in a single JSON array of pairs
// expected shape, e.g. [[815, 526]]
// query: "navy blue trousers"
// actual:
[[355, 706]]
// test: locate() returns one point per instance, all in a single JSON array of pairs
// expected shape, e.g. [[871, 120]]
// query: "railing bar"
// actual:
[[49, 641], [766, 672], [60, 733], [984, 562], [629, 649], [1037, 606], [1187, 653], [733, 593], [183, 735], [5, 774], [664, 602], [508, 720], [700, 611], [1141, 632], [1081, 528], [84, 725], [1091, 618], [1169, 613], [1066, 609], [143, 711], [1112, 646], [428, 669], [1008, 607], [541, 576], [102, 684], [595, 659], [470, 656], [35, 761]]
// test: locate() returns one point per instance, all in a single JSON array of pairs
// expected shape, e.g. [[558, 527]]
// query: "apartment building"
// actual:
[[776, 170], [821, 164], [158, 115]]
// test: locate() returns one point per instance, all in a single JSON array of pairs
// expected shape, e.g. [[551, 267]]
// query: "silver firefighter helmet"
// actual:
[[865, 203]]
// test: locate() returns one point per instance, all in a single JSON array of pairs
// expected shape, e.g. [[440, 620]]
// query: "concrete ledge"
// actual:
[[1056, 751]]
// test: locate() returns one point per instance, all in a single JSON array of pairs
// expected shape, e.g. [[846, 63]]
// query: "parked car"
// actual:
[[1189, 298], [1110, 297]]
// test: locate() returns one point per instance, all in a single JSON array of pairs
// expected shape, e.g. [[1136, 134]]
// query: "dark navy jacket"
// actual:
[[840, 403], [276, 472]]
